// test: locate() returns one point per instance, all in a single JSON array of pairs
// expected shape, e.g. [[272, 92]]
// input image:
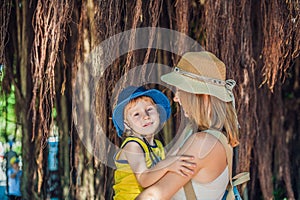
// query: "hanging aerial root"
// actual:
[[50, 20]]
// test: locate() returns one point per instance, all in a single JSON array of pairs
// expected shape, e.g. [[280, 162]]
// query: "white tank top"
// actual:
[[213, 190]]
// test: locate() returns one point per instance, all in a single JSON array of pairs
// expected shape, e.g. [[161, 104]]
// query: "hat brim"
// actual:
[[195, 86], [162, 102]]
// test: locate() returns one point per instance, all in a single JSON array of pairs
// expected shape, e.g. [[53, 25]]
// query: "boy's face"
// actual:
[[143, 117], [15, 165]]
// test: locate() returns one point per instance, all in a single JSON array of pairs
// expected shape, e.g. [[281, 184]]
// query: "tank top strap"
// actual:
[[160, 149], [142, 144]]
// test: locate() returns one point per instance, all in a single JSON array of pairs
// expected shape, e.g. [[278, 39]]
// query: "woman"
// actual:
[[207, 100]]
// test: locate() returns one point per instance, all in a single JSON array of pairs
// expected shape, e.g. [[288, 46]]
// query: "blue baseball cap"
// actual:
[[131, 92]]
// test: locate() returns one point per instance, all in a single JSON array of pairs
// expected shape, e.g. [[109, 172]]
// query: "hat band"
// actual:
[[199, 77], [229, 84]]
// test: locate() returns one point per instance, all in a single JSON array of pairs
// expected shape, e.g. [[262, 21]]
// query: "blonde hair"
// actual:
[[210, 112]]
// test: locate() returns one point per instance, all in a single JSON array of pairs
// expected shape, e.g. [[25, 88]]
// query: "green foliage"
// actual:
[[279, 192], [9, 128], [54, 113]]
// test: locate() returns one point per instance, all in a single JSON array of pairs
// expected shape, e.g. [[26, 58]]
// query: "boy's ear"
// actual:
[[126, 125]]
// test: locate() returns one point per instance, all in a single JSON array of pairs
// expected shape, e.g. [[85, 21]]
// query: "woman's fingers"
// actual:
[[186, 157]]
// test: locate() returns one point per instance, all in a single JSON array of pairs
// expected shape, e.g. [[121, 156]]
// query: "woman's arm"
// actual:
[[167, 186], [182, 165]]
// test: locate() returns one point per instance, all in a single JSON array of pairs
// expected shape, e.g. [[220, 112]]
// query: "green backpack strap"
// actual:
[[240, 178]]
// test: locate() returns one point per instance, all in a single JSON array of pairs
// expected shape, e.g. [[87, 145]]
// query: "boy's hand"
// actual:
[[182, 165]]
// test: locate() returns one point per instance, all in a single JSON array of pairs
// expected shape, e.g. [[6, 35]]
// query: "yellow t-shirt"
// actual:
[[126, 185]]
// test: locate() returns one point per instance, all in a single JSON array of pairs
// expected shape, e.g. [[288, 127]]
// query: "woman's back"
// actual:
[[211, 180], [211, 155]]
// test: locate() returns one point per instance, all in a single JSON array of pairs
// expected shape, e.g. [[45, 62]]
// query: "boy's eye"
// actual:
[[136, 114], [149, 109]]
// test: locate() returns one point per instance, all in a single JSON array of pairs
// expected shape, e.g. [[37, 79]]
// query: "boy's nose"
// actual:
[[146, 115]]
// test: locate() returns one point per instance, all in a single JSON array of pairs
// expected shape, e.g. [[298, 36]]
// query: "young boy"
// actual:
[[14, 179], [138, 115]]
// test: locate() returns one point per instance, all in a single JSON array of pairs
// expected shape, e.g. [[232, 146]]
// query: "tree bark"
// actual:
[[24, 14]]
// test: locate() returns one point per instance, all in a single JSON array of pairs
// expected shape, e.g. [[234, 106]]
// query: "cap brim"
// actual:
[[195, 86]]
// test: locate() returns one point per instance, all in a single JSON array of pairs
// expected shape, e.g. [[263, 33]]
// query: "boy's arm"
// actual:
[[11, 173], [166, 187], [180, 164]]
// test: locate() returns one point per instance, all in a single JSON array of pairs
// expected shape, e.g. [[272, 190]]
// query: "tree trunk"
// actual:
[[82, 160], [23, 15]]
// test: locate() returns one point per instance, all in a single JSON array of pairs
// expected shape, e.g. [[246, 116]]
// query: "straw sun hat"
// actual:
[[201, 73]]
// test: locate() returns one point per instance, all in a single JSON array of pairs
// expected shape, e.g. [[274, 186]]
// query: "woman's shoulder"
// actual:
[[202, 144], [203, 137]]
